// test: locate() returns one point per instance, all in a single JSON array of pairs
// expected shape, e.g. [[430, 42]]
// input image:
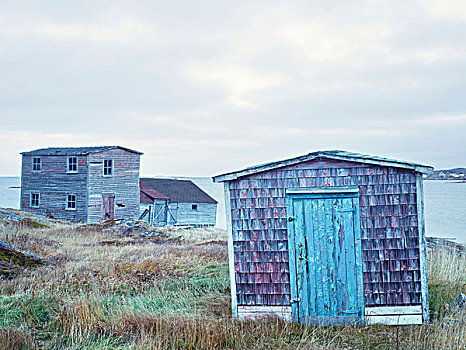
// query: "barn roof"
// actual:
[[147, 191], [334, 154], [58, 151], [180, 191]]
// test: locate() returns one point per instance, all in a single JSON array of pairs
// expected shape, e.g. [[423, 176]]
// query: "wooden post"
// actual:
[[231, 253], [422, 247]]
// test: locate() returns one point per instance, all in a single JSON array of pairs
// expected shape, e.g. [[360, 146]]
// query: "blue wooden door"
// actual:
[[325, 256]]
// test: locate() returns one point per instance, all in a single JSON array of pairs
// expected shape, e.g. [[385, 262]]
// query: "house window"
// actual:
[[72, 164], [194, 207], [108, 167], [71, 202], [35, 199], [36, 164]]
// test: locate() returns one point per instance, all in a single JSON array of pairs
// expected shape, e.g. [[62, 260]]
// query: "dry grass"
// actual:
[[174, 294]]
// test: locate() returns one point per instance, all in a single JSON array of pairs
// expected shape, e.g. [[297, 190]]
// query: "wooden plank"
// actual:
[[323, 190], [318, 214], [393, 310], [231, 254], [310, 245], [422, 247], [358, 256], [331, 258], [262, 312], [394, 320], [348, 231], [292, 259], [301, 265], [331, 320], [341, 273]]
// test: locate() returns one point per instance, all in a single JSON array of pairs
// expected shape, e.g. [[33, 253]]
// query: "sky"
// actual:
[[207, 87]]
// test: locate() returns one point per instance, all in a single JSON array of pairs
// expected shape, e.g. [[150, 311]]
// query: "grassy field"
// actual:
[[101, 291]]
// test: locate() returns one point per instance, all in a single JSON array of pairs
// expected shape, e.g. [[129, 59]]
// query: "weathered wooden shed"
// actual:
[[176, 202], [328, 237]]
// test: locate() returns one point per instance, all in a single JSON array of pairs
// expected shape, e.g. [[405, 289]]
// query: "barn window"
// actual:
[[71, 202], [36, 164], [194, 207], [35, 199], [72, 164], [108, 167]]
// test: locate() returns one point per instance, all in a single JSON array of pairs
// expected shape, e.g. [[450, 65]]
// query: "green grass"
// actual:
[[171, 294]]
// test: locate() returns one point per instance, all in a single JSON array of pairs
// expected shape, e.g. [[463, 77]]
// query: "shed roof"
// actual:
[[334, 154], [149, 192], [180, 191], [59, 151]]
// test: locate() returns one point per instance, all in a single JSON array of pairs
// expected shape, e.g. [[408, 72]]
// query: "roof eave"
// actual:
[[123, 148], [31, 153], [274, 165]]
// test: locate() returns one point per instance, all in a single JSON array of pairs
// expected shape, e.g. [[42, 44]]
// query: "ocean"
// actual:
[[445, 204]]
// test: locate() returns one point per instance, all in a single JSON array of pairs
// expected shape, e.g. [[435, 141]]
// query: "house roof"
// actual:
[[148, 194], [179, 191], [58, 151], [334, 154]]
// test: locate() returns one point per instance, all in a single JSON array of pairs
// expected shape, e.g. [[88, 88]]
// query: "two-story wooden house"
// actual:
[[81, 184]]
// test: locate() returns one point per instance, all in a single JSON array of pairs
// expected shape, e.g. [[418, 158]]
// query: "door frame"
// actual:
[[323, 193]]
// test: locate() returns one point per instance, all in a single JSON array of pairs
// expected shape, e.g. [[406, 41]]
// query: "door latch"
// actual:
[[295, 300], [290, 218]]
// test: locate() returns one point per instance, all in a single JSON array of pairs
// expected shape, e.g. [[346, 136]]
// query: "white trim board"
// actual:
[[422, 247], [394, 315], [322, 190], [231, 253], [393, 310], [394, 320], [262, 312]]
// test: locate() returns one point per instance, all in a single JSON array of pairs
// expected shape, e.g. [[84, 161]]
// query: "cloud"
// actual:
[[241, 82], [208, 86], [122, 32], [445, 9]]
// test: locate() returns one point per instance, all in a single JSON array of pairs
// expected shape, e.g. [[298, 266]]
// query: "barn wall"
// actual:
[[54, 183], [124, 184], [205, 215], [389, 230]]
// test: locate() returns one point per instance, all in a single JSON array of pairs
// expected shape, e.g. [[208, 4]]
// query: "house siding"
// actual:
[[54, 184], [389, 230], [205, 215], [124, 184]]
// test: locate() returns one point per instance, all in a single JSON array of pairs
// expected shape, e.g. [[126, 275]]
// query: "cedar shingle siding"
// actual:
[[388, 230]]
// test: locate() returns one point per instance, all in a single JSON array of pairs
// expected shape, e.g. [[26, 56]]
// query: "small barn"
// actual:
[[81, 184], [328, 237], [176, 202]]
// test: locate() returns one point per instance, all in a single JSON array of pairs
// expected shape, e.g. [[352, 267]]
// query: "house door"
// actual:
[[325, 255], [108, 207]]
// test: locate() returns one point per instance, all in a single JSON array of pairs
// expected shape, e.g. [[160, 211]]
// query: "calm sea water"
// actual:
[[445, 204]]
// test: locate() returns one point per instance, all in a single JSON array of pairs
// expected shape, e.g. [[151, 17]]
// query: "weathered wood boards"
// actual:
[[78, 174], [263, 312], [325, 256], [394, 315], [185, 204]]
